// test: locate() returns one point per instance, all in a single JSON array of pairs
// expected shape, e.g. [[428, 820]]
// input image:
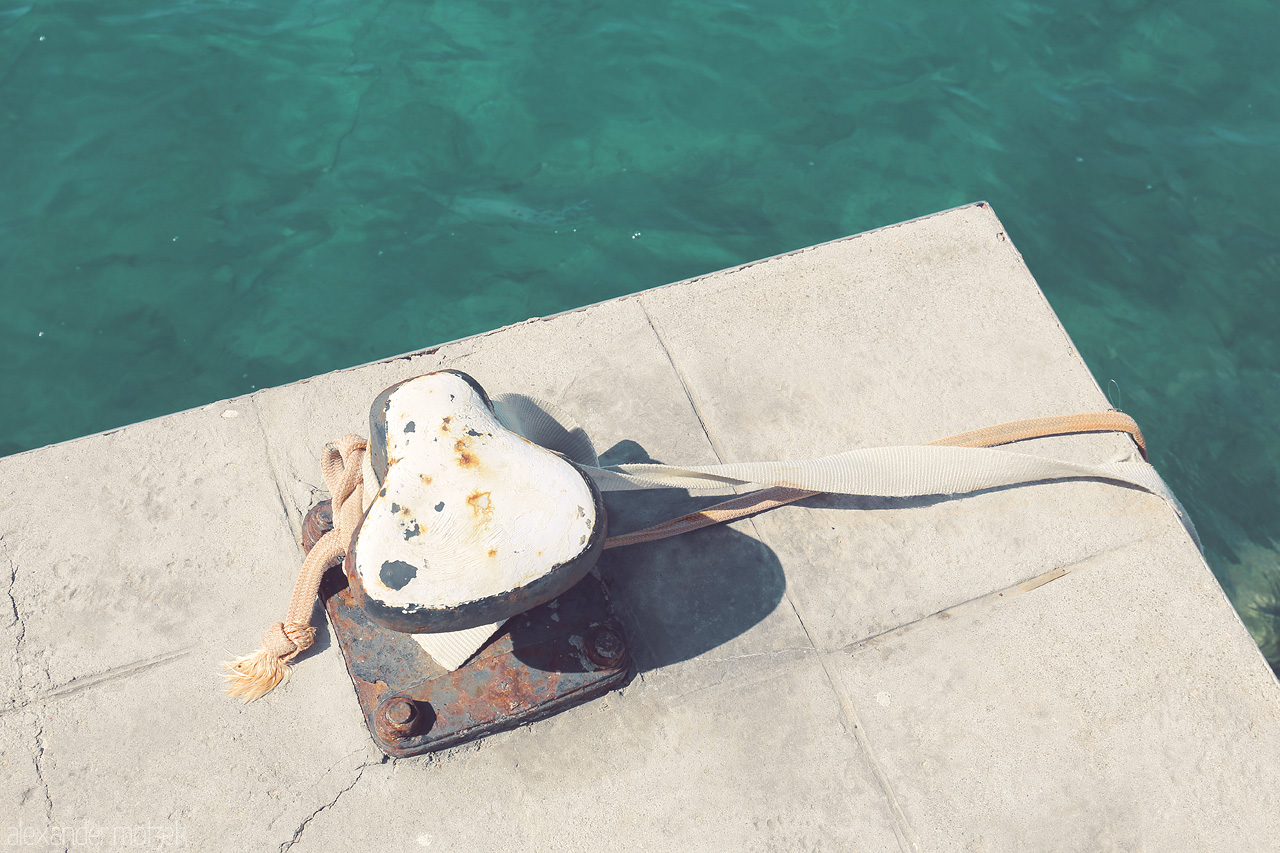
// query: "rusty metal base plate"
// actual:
[[543, 661]]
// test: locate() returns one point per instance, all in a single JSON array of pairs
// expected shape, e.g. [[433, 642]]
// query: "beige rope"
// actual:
[[1044, 427], [253, 676], [776, 496]]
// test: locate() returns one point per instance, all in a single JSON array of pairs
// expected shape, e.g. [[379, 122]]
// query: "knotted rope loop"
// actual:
[[253, 676], [285, 641]]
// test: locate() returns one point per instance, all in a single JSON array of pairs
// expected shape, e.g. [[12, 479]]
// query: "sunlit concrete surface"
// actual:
[[1051, 667]]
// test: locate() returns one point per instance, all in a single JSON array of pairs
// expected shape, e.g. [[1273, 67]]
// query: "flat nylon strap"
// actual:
[[954, 465]]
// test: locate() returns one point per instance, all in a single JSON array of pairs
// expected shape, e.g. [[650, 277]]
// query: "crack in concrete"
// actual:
[[292, 513], [13, 579], [13, 605], [724, 681], [770, 654], [36, 758], [37, 753], [297, 833], [16, 620]]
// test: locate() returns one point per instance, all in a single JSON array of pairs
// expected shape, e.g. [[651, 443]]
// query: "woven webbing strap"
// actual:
[[847, 473]]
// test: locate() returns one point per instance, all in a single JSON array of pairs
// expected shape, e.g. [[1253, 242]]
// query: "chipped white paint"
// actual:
[[467, 509]]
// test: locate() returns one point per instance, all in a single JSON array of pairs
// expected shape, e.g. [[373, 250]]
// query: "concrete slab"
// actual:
[[899, 336], [1112, 707], [119, 544], [767, 649], [22, 790], [899, 347], [160, 749], [759, 758], [140, 558]]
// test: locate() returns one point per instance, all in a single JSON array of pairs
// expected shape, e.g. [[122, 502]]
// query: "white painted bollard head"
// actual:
[[471, 523]]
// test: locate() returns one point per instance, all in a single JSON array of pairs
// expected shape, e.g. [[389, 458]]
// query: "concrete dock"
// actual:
[[1043, 668]]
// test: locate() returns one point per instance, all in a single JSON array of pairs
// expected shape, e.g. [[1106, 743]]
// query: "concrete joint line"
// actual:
[[907, 839], [907, 836], [902, 829], [991, 599], [684, 383]]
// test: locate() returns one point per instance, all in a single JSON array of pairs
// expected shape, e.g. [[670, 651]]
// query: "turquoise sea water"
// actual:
[[188, 188]]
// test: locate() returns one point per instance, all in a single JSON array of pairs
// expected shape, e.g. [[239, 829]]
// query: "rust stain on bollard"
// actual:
[[543, 661]]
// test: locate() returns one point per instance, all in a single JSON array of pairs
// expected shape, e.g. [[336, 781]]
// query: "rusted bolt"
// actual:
[[398, 718], [605, 647]]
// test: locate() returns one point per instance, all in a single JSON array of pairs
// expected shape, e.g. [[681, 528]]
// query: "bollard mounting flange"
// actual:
[[541, 662]]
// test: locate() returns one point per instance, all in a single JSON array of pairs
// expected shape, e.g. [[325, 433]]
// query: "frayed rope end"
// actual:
[[253, 676]]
